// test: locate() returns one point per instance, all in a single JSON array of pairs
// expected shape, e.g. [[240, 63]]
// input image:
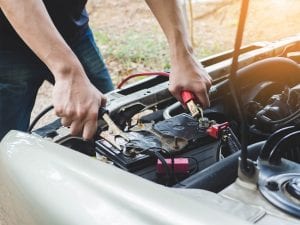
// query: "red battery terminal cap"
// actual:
[[215, 130]]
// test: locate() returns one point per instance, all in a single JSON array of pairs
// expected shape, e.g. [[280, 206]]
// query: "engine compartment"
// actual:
[[163, 125], [168, 146]]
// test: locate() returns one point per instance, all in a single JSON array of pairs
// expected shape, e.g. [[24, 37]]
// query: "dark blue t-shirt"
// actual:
[[69, 17]]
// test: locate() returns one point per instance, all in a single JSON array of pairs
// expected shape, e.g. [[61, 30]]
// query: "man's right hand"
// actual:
[[75, 99], [77, 102]]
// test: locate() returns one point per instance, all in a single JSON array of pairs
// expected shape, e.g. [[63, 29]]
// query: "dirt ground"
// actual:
[[268, 20]]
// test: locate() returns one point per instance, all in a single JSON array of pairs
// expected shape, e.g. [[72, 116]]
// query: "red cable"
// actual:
[[163, 74]]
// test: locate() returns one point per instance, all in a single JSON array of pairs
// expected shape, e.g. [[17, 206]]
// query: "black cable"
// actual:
[[171, 156], [172, 166], [155, 151], [165, 165], [177, 182], [284, 145], [287, 119], [38, 117], [170, 172], [273, 140], [245, 166]]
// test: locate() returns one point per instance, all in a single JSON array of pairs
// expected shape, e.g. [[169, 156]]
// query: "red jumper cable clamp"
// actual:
[[215, 130], [188, 99]]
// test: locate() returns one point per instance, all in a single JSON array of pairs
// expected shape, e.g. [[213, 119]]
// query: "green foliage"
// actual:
[[133, 47], [132, 51], [208, 50], [101, 38]]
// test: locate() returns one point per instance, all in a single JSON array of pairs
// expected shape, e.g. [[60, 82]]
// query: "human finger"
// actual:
[[76, 127], [89, 129], [66, 121]]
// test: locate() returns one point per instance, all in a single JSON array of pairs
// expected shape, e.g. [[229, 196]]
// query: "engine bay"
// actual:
[[157, 138]]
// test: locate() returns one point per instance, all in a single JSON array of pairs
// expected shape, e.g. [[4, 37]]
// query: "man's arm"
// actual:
[[75, 99], [186, 72]]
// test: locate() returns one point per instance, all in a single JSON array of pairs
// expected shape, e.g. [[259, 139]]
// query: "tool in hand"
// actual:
[[111, 124], [189, 100], [195, 110]]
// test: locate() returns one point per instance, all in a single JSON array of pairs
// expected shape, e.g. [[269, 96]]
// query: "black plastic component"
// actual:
[[220, 175], [52, 134], [101, 112], [276, 69], [143, 141], [134, 163], [285, 144], [293, 188], [125, 115], [49, 130], [273, 140], [282, 110], [79, 145], [272, 186], [201, 157], [181, 126], [229, 142]]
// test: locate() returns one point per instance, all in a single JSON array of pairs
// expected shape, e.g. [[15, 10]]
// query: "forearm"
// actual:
[[183, 62], [170, 17], [32, 22], [75, 99]]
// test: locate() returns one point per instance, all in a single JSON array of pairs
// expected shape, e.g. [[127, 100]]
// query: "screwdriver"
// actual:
[[111, 124], [188, 99]]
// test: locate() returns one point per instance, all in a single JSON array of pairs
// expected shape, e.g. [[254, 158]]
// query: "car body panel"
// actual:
[[45, 183]]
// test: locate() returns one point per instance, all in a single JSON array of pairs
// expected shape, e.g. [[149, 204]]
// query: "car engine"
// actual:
[[158, 140]]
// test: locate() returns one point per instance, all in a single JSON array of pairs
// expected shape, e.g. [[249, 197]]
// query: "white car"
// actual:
[[165, 166]]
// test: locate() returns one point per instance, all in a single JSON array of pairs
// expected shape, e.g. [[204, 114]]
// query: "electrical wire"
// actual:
[[38, 117], [195, 170], [287, 119], [154, 151], [285, 144], [273, 140], [170, 172], [163, 74], [165, 165]]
